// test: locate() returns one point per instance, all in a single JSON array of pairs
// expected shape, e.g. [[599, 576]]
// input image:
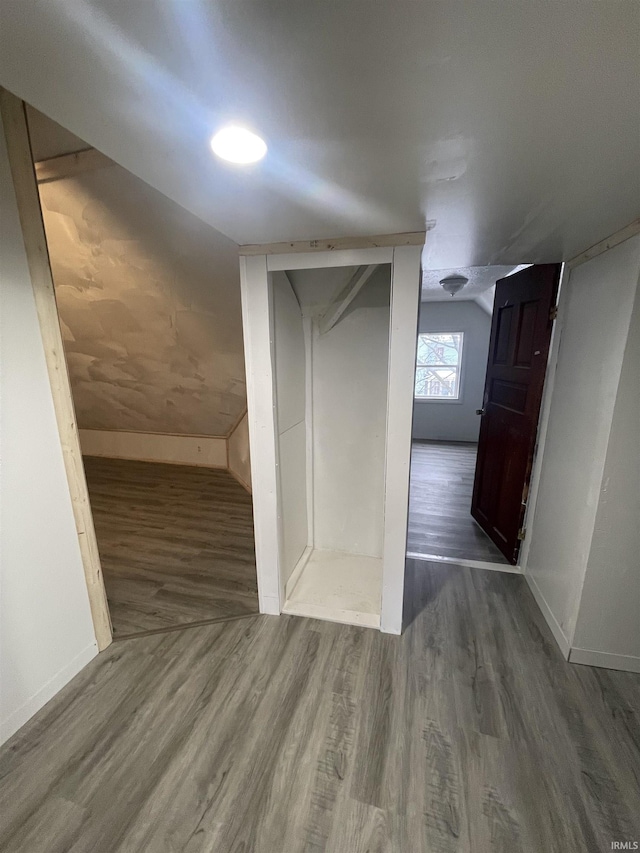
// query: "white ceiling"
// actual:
[[480, 279], [513, 126]]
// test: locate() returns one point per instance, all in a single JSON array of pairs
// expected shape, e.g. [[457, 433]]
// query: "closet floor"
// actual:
[[338, 587], [175, 543]]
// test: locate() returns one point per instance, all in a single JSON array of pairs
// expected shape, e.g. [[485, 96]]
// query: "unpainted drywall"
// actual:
[[597, 308], [289, 364], [350, 365], [609, 616], [46, 632], [149, 301], [456, 420], [239, 460]]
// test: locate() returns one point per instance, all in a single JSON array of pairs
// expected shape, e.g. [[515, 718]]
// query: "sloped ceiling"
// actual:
[[149, 302], [513, 126]]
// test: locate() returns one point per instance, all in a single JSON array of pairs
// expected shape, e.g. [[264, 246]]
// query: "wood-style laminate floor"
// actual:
[[468, 734], [175, 542], [440, 523]]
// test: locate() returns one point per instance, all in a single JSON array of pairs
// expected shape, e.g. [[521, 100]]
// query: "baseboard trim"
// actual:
[[23, 714], [294, 577], [203, 451], [606, 660], [472, 564], [269, 604], [558, 634], [238, 461], [239, 480]]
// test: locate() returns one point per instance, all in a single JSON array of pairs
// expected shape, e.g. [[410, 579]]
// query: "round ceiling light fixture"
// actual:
[[238, 145], [453, 283]]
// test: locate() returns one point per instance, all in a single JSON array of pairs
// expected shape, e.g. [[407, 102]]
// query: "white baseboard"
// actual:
[[294, 577], [207, 451], [558, 634], [239, 479], [21, 715], [238, 456], [269, 604], [627, 663], [472, 564]]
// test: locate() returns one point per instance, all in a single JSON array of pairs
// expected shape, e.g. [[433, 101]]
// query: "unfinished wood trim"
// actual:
[[345, 297], [608, 243], [378, 241], [28, 202], [69, 165], [307, 325]]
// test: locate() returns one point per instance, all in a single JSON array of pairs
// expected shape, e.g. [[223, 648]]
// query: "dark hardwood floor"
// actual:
[[440, 523], [468, 734], [175, 542]]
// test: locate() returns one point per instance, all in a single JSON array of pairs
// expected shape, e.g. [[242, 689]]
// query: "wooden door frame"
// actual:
[[403, 253], [25, 184]]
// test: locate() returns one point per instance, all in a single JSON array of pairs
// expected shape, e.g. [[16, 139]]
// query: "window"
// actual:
[[438, 366]]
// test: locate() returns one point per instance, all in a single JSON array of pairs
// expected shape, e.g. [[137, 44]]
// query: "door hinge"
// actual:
[[553, 313], [522, 533]]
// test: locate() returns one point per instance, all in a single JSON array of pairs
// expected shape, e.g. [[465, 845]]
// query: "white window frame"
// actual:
[[459, 367]]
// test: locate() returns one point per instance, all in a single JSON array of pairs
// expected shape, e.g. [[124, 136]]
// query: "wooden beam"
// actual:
[[69, 165], [26, 190], [345, 297], [604, 245], [410, 238]]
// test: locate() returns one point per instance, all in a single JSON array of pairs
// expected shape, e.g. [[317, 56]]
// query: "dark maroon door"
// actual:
[[518, 350]]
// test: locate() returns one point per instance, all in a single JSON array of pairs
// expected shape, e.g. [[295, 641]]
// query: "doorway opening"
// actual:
[[331, 354], [148, 305], [481, 361]]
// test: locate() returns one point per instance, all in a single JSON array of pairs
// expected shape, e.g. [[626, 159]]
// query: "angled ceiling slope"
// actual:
[[513, 125]]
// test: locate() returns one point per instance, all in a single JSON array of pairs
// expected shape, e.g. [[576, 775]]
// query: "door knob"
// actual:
[[480, 411]]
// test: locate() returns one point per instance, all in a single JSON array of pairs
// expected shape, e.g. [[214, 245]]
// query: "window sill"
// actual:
[[438, 401]]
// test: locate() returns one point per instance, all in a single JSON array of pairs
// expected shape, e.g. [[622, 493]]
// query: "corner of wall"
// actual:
[[238, 459]]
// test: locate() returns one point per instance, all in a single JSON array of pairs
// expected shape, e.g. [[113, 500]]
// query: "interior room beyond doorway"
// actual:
[[455, 323], [440, 523], [148, 302]]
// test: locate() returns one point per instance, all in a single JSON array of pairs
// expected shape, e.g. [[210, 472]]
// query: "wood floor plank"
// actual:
[[175, 542], [467, 734], [441, 487]]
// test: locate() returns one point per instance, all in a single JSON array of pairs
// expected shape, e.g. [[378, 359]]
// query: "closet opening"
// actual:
[[331, 359]]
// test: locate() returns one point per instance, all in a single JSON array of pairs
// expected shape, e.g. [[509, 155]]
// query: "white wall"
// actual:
[[289, 358], [597, 301], [350, 364], [46, 632], [456, 420], [204, 450], [609, 618], [238, 456]]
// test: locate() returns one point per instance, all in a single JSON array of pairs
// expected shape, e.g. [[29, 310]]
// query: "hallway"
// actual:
[[468, 734]]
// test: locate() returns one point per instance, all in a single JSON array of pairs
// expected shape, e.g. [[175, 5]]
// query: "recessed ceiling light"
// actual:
[[238, 145]]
